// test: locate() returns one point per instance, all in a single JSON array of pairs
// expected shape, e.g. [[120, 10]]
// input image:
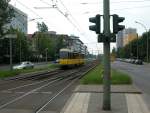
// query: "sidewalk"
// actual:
[[88, 99]]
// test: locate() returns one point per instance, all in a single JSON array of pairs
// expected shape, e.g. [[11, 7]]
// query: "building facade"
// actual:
[[126, 36], [130, 34], [19, 21], [119, 41]]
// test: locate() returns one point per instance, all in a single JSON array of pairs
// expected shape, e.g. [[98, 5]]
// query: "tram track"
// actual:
[[35, 79], [67, 79], [74, 79]]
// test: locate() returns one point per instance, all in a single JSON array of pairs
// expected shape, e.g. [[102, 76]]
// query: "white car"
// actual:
[[24, 65]]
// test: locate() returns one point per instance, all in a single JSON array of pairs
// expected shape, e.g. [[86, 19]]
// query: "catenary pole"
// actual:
[[10, 51], [106, 79]]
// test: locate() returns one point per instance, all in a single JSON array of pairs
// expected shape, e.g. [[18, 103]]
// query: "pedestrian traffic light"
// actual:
[[116, 21], [95, 27]]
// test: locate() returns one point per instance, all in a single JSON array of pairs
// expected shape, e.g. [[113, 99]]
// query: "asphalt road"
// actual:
[[140, 75]]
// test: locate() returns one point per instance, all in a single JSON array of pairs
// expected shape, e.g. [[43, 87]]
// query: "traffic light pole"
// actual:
[[106, 79]]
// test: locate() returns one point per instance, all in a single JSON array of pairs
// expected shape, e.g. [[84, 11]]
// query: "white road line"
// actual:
[[20, 92], [26, 94], [136, 104], [6, 91], [46, 92]]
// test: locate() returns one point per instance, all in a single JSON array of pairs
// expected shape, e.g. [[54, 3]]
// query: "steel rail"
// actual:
[[26, 85], [75, 78]]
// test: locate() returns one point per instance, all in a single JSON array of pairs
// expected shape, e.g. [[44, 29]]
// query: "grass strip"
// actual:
[[95, 76], [4, 74]]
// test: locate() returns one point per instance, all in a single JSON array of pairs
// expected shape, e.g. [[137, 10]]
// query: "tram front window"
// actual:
[[63, 55]]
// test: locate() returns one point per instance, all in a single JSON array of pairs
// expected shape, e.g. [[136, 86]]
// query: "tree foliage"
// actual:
[[49, 43], [6, 14], [20, 47], [42, 27], [137, 48]]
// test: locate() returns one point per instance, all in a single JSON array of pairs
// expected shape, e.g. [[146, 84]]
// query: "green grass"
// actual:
[[4, 74], [95, 76]]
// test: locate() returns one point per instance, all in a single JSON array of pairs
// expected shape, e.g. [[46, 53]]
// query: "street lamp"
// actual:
[[20, 45], [35, 19], [147, 38]]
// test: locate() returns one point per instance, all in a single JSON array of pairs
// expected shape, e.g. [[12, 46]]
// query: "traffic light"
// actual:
[[95, 27], [116, 21]]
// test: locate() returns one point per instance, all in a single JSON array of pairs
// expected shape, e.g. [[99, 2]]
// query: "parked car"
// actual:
[[137, 61], [24, 65], [132, 61]]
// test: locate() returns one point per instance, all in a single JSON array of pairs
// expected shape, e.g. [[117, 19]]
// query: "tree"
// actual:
[[6, 14], [42, 27], [20, 47], [136, 48]]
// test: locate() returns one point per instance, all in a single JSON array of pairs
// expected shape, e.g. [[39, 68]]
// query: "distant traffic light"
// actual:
[[95, 27], [116, 21]]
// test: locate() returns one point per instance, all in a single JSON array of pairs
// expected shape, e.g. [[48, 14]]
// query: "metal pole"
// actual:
[[106, 80], [46, 55], [20, 50], [147, 47], [10, 51], [137, 48]]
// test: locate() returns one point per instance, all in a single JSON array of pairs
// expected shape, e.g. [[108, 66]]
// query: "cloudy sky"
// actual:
[[72, 16]]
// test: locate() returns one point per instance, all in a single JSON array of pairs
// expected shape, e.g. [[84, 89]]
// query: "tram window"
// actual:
[[63, 54]]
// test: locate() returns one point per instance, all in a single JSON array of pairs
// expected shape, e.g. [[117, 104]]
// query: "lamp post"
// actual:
[[46, 54], [147, 39], [34, 19], [137, 47], [10, 37]]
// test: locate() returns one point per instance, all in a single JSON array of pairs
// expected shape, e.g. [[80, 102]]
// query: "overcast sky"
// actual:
[[72, 16]]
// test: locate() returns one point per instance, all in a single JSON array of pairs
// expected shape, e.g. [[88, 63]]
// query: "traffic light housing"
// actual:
[[103, 38], [116, 21], [100, 37], [95, 27]]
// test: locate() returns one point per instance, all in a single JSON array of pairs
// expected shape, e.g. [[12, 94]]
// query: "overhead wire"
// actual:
[[69, 13], [28, 8], [32, 12], [64, 14]]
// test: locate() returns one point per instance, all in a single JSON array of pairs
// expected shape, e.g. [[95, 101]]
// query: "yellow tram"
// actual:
[[70, 58]]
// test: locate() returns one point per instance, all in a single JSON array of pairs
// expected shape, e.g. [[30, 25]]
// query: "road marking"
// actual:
[[46, 92], [6, 91], [79, 103], [136, 104], [26, 94]]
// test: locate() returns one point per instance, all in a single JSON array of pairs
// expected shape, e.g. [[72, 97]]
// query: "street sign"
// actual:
[[10, 36]]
